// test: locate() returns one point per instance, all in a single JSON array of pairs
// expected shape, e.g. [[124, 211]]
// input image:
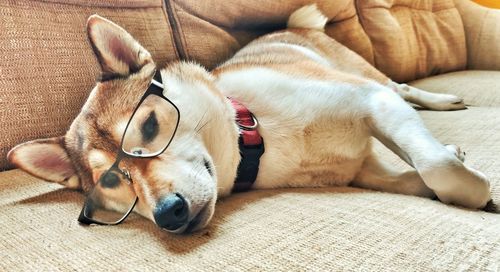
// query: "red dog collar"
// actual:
[[251, 148]]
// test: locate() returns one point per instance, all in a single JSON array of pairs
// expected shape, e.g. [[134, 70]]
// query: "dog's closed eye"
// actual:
[[208, 166], [150, 128], [110, 180]]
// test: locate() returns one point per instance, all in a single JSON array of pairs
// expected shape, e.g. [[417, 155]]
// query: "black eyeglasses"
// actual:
[[148, 133]]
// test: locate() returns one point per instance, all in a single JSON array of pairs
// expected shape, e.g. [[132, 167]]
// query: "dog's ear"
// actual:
[[46, 159], [118, 53]]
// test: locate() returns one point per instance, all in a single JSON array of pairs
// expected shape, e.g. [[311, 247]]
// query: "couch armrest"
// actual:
[[482, 33]]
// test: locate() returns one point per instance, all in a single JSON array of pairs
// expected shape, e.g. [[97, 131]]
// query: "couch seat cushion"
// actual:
[[478, 88], [274, 230]]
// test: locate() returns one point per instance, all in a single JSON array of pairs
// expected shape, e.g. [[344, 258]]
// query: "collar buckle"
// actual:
[[252, 127]]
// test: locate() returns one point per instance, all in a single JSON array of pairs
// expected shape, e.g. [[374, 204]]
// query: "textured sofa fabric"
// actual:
[[404, 39], [322, 229], [477, 88], [47, 71], [483, 35], [222, 29]]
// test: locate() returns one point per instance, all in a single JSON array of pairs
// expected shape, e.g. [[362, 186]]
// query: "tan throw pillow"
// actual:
[[414, 39], [482, 30]]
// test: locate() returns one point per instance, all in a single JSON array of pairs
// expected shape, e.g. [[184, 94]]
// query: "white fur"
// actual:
[[307, 17], [434, 101], [285, 105], [317, 131]]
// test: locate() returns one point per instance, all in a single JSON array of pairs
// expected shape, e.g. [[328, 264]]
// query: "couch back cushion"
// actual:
[[47, 67], [414, 39], [405, 39], [211, 31]]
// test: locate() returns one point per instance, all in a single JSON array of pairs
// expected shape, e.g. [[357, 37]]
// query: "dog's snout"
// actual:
[[172, 212]]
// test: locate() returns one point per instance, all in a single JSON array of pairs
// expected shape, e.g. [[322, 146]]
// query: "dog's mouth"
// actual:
[[196, 223]]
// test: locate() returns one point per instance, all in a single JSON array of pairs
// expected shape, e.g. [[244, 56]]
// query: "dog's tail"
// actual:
[[309, 17]]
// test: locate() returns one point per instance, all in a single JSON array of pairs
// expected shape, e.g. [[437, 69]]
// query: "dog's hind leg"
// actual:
[[432, 101], [377, 175], [399, 127]]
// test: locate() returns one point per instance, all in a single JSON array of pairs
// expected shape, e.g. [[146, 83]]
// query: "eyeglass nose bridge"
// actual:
[[122, 170]]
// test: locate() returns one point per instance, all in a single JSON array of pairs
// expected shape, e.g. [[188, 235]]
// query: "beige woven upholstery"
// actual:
[[47, 70], [478, 88], [329, 229]]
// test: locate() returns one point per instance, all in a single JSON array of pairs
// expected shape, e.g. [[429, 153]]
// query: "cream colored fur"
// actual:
[[307, 17], [319, 107], [318, 132]]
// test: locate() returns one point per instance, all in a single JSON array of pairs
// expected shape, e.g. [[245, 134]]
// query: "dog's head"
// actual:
[[183, 181]]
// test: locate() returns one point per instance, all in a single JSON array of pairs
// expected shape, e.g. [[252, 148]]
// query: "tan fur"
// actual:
[[340, 57], [317, 103]]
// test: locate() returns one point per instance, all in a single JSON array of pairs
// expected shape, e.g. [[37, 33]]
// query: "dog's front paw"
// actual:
[[445, 102]]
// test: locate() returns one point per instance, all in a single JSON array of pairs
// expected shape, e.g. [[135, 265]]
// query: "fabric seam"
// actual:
[[433, 11], [360, 19], [175, 30], [183, 39], [60, 2], [477, 43], [174, 46]]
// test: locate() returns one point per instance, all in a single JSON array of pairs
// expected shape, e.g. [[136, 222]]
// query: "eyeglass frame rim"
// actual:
[[157, 90]]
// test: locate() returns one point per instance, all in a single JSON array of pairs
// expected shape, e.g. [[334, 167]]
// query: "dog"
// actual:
[[316, 104]]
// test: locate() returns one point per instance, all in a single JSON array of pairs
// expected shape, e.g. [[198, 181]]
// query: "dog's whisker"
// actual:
[[201, 119], [203, 126]]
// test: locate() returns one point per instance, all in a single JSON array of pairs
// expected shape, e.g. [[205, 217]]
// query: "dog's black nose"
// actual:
[[172, 212]]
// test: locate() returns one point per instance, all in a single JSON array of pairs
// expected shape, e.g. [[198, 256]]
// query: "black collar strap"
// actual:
[[251, 147]]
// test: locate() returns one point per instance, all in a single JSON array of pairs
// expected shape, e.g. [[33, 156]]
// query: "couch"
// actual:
[[47, 69]]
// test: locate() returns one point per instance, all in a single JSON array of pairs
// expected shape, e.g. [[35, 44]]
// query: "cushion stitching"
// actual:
[[480, 34], [344, 9], [181, 32], [175, 25], [417, 36], [362, 23], [340, 21], [164, 9], [61, 2], [433, 11]]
